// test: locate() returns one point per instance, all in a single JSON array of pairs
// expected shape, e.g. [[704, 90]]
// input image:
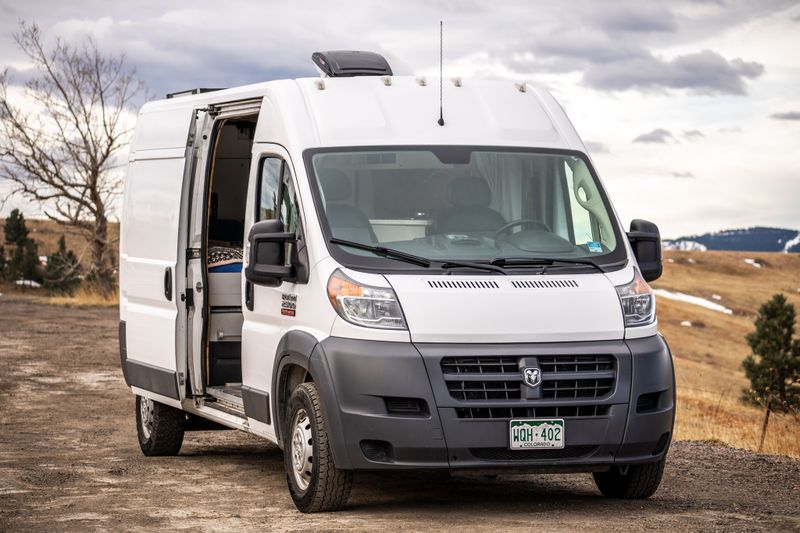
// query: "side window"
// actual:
[[277, 198], [269, 187], [290, 213]]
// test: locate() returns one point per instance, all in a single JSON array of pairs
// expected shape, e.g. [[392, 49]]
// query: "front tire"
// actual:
[[160, 427], [315, 484], [638, 482]]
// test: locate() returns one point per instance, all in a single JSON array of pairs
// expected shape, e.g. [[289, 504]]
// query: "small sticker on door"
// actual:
[[288, 304]]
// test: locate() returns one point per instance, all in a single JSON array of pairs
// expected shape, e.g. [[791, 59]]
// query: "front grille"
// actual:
[[577, 388], [559, 411], [484, 390], [498, 378], [480, 365], [504, 454], [576, 363]]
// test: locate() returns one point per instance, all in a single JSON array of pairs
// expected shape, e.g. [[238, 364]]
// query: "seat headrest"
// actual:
[[335, 184], [470, 191]]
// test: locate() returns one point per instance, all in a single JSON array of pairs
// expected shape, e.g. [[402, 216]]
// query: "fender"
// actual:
[[294, 348]]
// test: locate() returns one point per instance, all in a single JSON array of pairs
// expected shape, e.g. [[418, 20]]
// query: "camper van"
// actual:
[[379, 272]]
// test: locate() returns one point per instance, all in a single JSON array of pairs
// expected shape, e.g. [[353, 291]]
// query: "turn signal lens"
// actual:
[[638, 303], [364, 305]]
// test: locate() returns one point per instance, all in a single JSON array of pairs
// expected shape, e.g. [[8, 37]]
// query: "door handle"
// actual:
[[168, 283], [248, 295]]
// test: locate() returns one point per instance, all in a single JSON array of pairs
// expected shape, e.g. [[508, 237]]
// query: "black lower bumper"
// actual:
[[371, 389]]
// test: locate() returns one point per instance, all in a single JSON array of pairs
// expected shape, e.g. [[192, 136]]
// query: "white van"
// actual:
[[324, 263]]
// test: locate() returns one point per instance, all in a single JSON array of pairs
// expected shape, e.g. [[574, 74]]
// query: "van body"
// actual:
[[321, 263]]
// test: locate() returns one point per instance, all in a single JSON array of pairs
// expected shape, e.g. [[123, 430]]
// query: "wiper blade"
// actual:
[[544, 262], [384, 252], [447, 265]]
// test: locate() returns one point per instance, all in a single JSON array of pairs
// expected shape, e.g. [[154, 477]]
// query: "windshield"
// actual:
[[462, 204]]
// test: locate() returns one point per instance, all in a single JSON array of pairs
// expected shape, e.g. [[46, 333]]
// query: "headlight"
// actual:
[[373, 307], [638, 303]]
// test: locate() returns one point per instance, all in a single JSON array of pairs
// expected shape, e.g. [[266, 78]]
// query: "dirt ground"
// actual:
[[69, 460]]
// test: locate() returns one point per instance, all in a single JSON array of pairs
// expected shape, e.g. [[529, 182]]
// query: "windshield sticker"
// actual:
[[594, 247]]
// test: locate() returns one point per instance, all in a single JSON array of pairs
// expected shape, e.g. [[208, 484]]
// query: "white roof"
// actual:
[[399, 110]]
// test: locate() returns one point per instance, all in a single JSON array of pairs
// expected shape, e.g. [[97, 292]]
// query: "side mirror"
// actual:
[[267, 256], [645, 240]]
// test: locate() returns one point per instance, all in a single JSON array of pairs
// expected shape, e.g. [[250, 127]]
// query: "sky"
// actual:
[[690, 110]]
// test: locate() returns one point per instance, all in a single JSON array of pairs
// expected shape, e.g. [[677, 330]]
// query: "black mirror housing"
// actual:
[[266, 260], [645, 241]]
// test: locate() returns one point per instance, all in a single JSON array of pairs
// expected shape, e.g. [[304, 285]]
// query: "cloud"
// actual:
[[734, 129], [682, 175], [638, 18], [596, 147], [693, 135], [704, 72], [786, 115], [657, 136]]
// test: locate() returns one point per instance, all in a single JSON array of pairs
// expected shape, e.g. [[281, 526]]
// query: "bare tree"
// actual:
[[61, 146]]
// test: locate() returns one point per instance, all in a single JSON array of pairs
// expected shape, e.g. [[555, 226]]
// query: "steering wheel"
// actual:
[[521, 222]]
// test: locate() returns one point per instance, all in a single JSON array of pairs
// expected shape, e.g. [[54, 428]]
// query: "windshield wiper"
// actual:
[[543, 262], [384, 252], [447, 265]]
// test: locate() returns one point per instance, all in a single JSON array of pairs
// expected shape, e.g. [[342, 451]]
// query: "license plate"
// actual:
[[536, 433]]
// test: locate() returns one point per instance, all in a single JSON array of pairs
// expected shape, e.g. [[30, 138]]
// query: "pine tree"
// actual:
[[15, 229], [773, 367], [61, 273]]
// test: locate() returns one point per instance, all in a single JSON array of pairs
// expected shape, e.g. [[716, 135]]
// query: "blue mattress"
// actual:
[[231, 267]]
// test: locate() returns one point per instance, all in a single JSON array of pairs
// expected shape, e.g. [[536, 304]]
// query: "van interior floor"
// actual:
[[227, 397]]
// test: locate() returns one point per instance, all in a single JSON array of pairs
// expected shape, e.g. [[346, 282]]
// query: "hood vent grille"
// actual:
[[545, 284], [462, 284]]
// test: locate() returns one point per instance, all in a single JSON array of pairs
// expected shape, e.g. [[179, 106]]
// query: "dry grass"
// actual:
[[85, 296], [708, 355], [46, 233]]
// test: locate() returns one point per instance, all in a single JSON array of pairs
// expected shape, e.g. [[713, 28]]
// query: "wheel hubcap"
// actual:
[[302, 449], [147, 415]]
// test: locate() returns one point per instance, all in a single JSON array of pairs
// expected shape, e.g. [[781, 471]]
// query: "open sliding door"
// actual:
[[153, 252]]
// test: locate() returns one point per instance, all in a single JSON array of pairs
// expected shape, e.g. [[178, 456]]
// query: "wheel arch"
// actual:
[[292, 367]]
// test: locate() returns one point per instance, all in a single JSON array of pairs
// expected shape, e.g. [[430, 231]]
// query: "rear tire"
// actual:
[[638, 483], [160, 427], [315, 484]]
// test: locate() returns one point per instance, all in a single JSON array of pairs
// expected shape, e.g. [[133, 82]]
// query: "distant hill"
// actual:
[[758, 239]]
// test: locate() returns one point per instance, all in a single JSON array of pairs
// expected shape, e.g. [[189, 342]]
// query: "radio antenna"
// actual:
[[441, 61]]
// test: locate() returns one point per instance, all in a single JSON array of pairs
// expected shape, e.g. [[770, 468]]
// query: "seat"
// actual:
[[346, 221], [226, 230], [470, 197]]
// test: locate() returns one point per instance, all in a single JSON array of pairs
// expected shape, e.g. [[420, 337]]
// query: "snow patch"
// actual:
[[716, 297], [694, 300], [753, 262], [792, 243], [686, 324], [28, 283], [684, 246]]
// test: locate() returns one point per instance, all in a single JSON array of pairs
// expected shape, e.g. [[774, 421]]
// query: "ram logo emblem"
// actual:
[[532, 376]]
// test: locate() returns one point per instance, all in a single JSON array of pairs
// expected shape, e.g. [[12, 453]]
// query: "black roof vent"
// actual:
[[199, 90], [345, 63]]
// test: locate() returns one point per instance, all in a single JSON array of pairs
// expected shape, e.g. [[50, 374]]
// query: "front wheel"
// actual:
[[637, 483], [315, 484], [160, 427]]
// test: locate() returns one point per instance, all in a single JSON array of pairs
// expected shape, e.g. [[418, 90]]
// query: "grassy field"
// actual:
[[47, 233], [708, 354]]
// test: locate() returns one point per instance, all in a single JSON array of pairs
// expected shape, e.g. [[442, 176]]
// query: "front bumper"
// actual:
[[631, 423]]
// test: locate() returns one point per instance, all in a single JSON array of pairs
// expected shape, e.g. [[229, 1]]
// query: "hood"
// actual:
[[509, 308]]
